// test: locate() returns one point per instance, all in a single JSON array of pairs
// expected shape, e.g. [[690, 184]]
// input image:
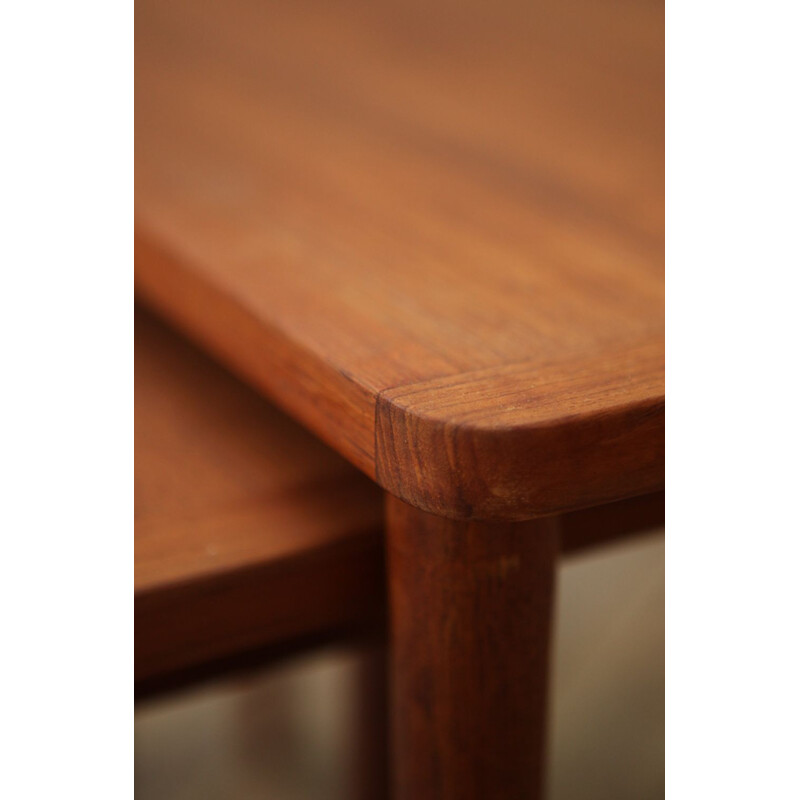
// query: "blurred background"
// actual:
[[289, 733]]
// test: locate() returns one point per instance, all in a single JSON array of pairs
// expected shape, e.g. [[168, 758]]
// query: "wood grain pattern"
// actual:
[[249, 532], [526, 440], [326, 400], [366, 207], [471, 614]]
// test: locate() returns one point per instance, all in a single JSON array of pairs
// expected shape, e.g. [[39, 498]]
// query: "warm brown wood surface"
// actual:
[[432, 232], [249, 532], [471, 617]]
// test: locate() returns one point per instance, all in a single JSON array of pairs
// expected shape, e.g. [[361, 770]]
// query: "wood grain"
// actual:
[[471, 615], [249, 532], [526, 440], [363, 208]]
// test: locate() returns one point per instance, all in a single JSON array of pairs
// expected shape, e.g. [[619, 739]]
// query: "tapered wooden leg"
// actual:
[[470, 606]]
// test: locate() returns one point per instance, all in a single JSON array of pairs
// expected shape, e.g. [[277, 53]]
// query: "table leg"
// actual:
[[471, 609]]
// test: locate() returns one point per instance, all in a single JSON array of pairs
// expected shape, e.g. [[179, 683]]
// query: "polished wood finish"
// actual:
[[471, 615], [432, 233], [234, 503], [251, 536], [526, 440]]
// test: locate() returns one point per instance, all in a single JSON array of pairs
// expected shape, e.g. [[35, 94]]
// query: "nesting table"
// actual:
[[433, 235]]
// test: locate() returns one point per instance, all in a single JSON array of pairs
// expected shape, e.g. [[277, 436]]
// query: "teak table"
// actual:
[[433, 234]]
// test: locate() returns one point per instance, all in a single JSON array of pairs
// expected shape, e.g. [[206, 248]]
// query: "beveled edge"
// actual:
[[535, 448]]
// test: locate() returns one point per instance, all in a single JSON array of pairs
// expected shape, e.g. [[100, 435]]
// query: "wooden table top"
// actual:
[[250, 533], [432, 232]]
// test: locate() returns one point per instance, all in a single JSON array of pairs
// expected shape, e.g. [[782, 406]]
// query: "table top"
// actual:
[[224, 480], [250, 533], [432, 232]]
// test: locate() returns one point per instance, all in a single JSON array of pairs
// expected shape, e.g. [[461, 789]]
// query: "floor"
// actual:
[[287, 734]]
